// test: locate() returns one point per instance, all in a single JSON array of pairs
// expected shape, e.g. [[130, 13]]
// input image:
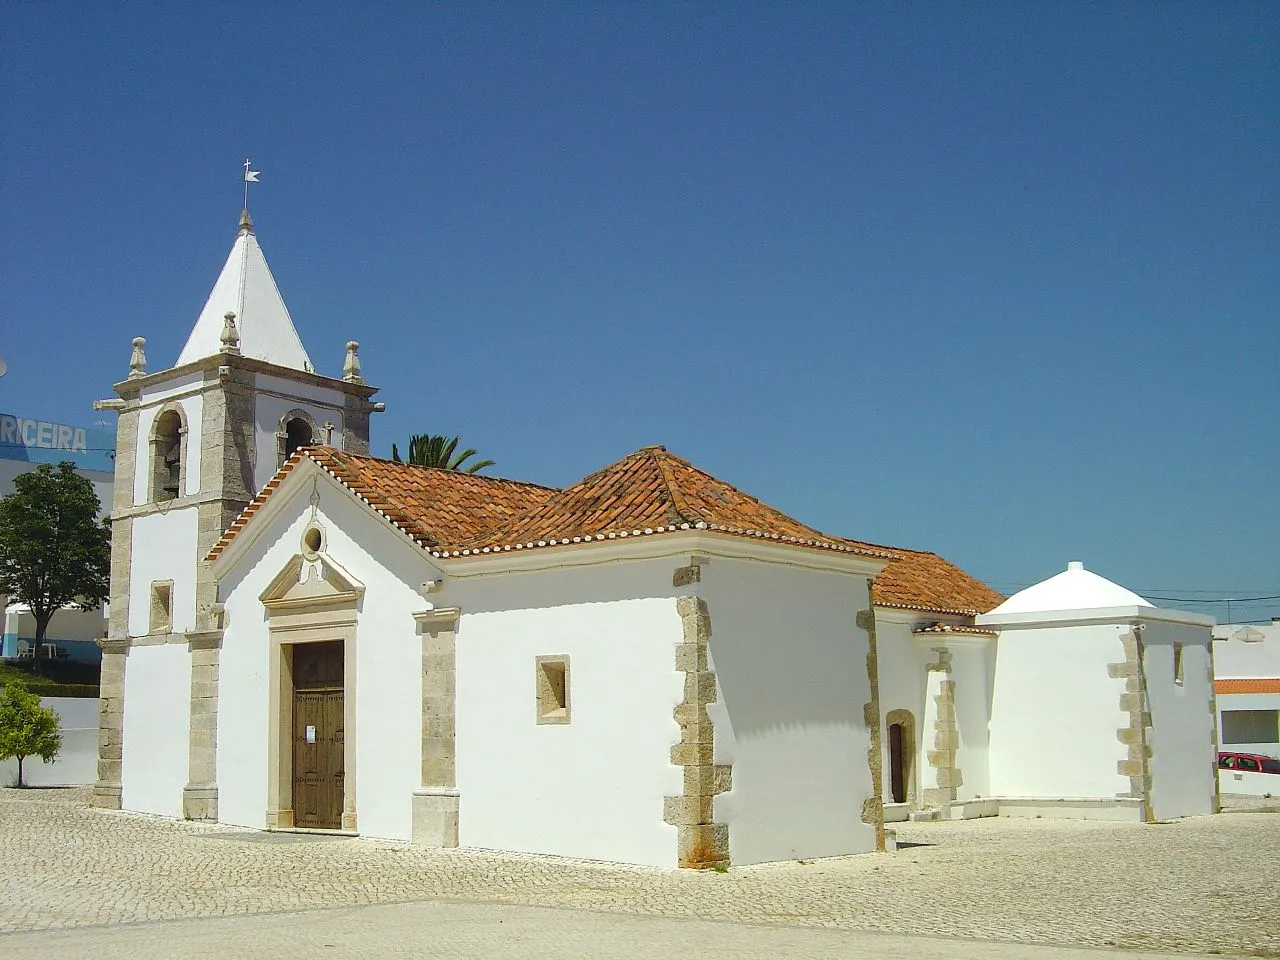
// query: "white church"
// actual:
[[650, 666]]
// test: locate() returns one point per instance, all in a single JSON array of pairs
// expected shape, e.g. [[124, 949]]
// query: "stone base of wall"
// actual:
[[199, 802], [106, 796], [435, 818]]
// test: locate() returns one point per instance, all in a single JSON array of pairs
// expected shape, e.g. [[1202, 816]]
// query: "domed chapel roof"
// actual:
[[1074, 589]]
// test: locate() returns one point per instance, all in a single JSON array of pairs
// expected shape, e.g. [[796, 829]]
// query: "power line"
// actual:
[[1223, 600]]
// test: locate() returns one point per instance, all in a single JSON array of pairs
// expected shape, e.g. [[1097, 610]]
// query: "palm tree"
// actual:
[[428, 450]]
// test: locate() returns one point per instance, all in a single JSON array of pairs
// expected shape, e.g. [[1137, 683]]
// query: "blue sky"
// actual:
[[998, 281]]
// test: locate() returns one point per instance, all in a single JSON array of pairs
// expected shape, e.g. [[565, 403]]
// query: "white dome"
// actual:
[[1073, 589]]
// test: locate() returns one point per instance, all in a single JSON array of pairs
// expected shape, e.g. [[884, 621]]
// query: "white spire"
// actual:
[[246, 288]]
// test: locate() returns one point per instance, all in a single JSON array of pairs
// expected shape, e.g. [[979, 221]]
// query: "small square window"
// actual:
[[161, 620], [552, 680]]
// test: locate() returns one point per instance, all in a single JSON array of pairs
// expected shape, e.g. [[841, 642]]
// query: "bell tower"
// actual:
[[194, 444]]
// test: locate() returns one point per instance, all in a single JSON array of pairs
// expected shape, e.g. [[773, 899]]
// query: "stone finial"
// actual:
[[246, 222], [230, 335], [138, 359], [351, 366]]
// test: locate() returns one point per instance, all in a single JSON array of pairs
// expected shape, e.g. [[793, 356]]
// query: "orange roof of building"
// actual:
[[651, 491], [919, 580], [1248, 685]]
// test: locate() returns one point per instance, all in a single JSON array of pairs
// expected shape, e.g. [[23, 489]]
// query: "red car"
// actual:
[[1252, 762]]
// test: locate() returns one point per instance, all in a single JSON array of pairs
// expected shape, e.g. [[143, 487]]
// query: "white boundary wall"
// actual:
[[77, 761]]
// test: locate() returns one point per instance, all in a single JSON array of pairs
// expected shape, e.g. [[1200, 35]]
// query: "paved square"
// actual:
[[1208, 885]]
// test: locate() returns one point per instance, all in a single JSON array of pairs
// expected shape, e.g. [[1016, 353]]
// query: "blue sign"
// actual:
[[39, 441]]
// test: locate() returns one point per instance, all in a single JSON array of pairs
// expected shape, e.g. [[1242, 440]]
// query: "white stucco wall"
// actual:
[[902, 674], [791, 669], [270, 408], [387, 684], [192, 403], [593, 787], [1055, 712], [1183, 759], [157, 724], [164, 548], [972, 663]]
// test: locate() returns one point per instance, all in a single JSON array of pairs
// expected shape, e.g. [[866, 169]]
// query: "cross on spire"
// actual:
[[250, 176]]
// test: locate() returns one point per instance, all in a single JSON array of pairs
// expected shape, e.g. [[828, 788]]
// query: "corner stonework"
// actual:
[[946, 736], [436, 803], [873, 806], [107, 791], [1137, 763], [702, 843], [200, 795]]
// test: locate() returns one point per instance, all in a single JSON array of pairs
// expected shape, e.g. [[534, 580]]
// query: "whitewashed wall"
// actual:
[[387, 685], [902, 676], [164, 548], [180, 388], [791, 667], [593, 787], [1183, 759], [1055, 713], [77, 761], [157, 724], [322, 405], [1248, 783], [972, 667]]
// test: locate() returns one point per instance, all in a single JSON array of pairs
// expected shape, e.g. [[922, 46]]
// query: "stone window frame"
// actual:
[[907, 720], [282, 432], [157, 471], [550, 708], [160, 615]]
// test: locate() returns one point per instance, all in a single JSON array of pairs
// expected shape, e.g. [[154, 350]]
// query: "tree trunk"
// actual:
[[42, 627], [20, 782]]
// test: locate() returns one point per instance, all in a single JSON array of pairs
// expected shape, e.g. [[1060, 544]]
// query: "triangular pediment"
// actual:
[[311, 583]]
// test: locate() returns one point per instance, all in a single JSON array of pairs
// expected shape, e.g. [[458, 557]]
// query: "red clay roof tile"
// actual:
[[651, 491]]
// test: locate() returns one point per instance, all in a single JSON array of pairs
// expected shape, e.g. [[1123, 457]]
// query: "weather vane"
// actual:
[[250, 176]]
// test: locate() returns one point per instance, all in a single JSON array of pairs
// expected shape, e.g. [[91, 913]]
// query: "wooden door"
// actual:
[[318, 735]]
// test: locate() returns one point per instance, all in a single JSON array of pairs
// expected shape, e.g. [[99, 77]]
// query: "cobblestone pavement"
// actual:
[[1205, 885]]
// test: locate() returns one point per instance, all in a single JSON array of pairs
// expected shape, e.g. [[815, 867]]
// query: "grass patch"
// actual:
[[56, 679]]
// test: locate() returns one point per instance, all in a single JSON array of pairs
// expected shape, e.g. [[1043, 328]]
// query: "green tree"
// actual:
[[54, 551], [26, 728], [428, 450]]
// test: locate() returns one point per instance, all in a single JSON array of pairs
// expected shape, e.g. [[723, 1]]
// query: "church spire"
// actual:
[[247, 289]]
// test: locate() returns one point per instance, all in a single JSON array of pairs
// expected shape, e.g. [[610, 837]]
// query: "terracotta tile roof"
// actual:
[[650, 491], [947, 628], [1248, 685], [430, 505], [919, 580]]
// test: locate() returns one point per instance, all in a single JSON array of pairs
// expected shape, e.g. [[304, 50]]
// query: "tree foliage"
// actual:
[[429, 450], [26, 728], [54, 551]]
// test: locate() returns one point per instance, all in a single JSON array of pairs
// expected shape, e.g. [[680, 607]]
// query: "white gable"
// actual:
[[246, 288], [1073, 589]]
